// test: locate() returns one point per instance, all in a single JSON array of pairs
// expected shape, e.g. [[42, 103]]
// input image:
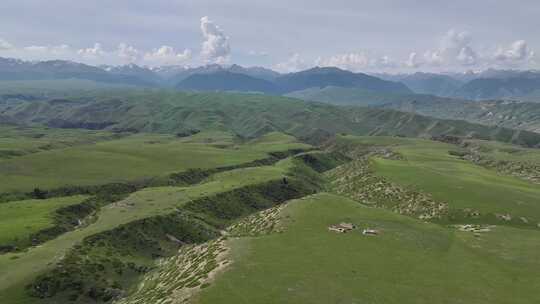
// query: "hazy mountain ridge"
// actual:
[[227, 81], [330, 76], [488, 84], [132, 74]]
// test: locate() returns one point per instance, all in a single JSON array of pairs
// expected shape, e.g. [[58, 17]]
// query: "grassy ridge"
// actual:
[[20, 269], [135, 157], [471, 192], [18, 141], [429, 168], [130, 248], [409, 262]]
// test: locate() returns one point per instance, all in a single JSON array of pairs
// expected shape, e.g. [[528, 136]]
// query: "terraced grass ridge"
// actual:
[[99, 261], [131, 157]]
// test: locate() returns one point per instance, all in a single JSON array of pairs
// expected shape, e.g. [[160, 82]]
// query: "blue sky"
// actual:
[[383, 35]]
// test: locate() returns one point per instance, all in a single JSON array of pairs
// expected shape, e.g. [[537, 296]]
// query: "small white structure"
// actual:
[[342, 227], [369, 231]]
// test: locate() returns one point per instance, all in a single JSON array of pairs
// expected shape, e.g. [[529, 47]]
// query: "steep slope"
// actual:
[[243, 114], [323, 77]]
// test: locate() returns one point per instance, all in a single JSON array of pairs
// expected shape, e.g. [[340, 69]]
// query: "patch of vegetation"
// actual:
[[16, 141], [505, 159], [261, 223], [26, 223], [358, 181]]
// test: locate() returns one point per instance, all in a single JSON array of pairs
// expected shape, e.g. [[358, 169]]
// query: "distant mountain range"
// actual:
[[489, 84], [485, 85], [522, 85]]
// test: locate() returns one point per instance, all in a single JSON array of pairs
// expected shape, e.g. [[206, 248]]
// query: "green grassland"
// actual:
[[409, 262], [505, 152], [18, 269], [55, 87], [18, 140], [134, 157], [20, 219], [428, 167]]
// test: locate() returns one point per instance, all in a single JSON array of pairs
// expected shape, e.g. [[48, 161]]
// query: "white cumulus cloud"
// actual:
[[518, 51], [351, 61], [467, 56], [358, 62], [167, 55], [215, 48], [413, 61], [4, 45], [455, 49], [94, 52], [294, 63], [127, 53]]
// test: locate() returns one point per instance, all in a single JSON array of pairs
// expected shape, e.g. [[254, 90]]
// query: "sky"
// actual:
[[394, 36]]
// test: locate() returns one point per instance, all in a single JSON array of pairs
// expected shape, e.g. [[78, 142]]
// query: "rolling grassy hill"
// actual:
[[288, 253], [130, 158], [409, 262], [19, 140], [245, 115], [428, 167]]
